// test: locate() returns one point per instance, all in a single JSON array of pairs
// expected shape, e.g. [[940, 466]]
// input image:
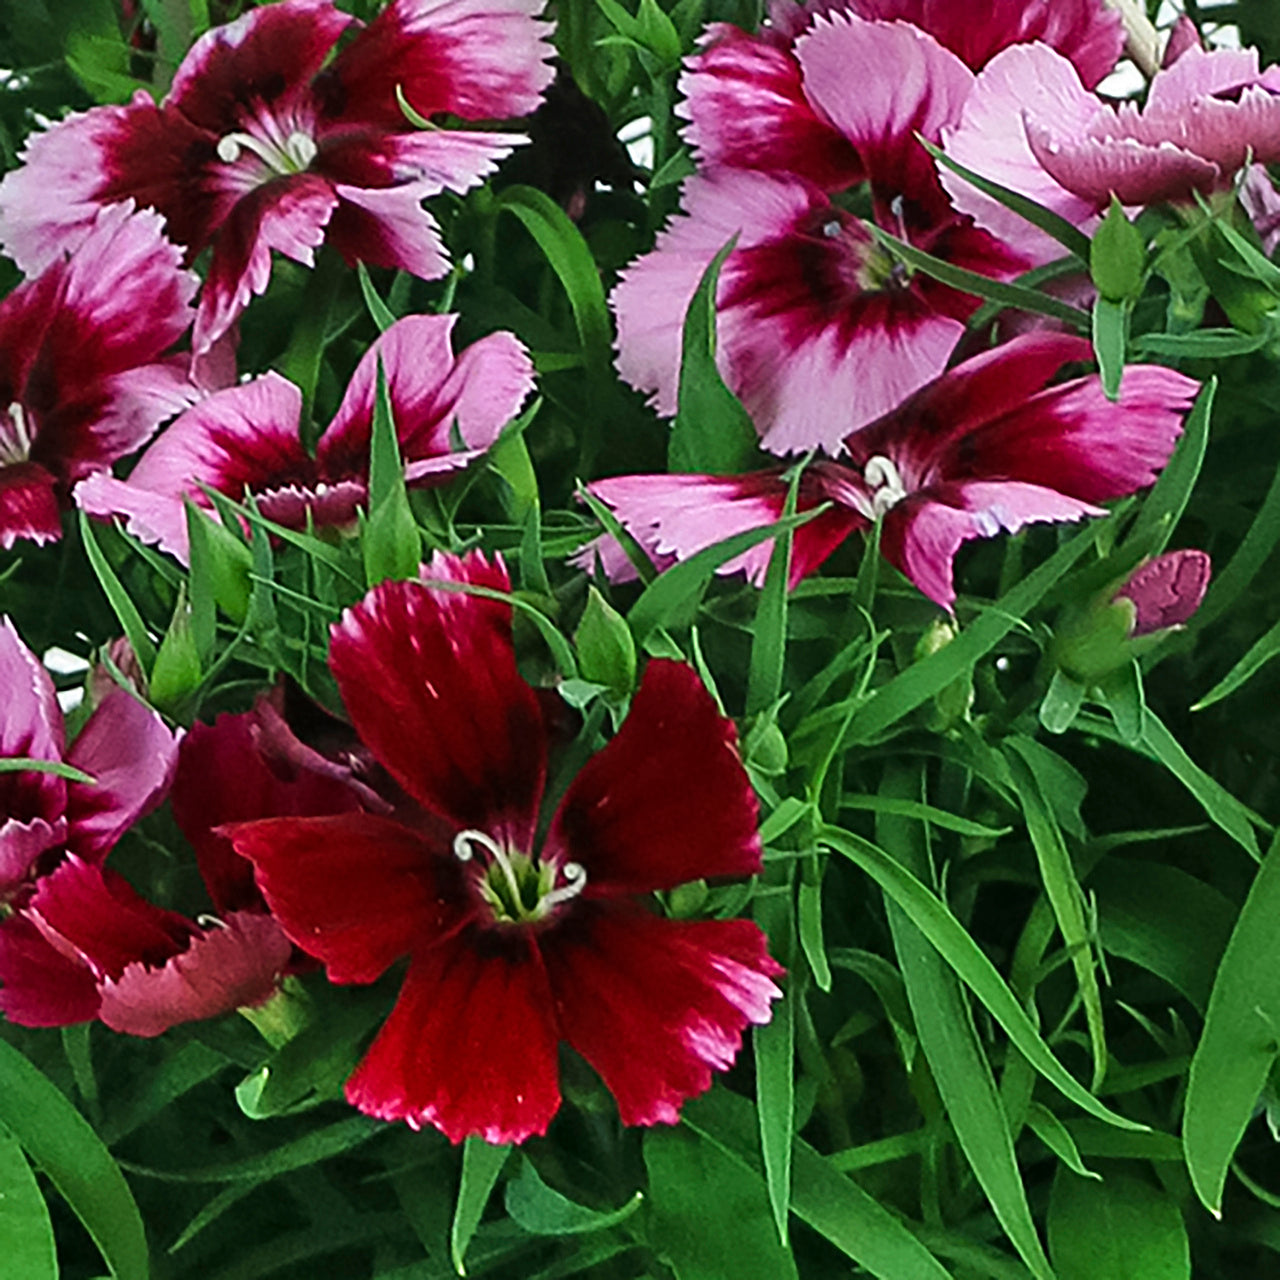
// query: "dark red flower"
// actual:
[[513, 948]]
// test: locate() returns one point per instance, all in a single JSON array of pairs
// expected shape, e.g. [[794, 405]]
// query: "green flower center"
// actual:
[[516, 887]]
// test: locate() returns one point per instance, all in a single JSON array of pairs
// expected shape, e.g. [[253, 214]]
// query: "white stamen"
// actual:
[[463, 851], [300, 148], [885, 482], [576, 874], [15, 444], [298, 151]]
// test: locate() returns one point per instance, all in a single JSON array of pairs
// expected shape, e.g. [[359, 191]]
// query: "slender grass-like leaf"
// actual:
[[904, 808], [828, 1201], [1063, 891], [1168, 499], [774, 1045], [1256, 657], [24, 764], [1240, 1041], [60, 1142], [1110, 337], [26, 1234], [950, 1045], [381, 314], [769, 636], [481, 1165], [543, 1211], [932, 917], [126, 611], [1057, 1137]]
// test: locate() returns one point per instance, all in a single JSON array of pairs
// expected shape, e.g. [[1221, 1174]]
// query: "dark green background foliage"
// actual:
[[1033, 1002]]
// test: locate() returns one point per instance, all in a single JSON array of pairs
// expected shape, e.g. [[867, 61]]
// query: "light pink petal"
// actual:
[[225, 967], [426, 162], [1199, 72], [137, 402], [68, 157], [1261, 202], [288, 215], [470, 1046], [676, 516], [478, 59], [666, 801], [39, 985], [747, 108], [1035, 83], [845, 62], [1083, 30], [922, 535], [1136, 173], [131, 754], [656, 1006], [430, 682], [354, 890], [389, 228], [155, 518], [28, 505], [32, 804], [1227, 132], [431, 391]]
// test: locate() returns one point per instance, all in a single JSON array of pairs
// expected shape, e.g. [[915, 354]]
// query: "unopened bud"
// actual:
[[1166, 591]]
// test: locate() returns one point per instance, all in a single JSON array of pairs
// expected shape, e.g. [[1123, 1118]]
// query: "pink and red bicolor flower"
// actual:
[[821, 330], [988, 446], [269, 140], [246, 438], [513, 948], [1032, 126], [83, 375]]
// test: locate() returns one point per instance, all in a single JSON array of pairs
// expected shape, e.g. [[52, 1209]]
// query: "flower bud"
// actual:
[[1096, 639]]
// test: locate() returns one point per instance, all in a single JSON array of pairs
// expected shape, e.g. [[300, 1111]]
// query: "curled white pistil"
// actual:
[[574, 874], [885, 482], [298, 151], [15, 443]]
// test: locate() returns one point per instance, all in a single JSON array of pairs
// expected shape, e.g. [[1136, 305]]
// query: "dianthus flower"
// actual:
[[83, 378], [514, 947], [246, 438], [821, 329], [1031, 125], [984, 448], [268, 140]]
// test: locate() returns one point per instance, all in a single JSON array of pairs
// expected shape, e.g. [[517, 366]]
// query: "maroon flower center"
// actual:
[[518, 888]]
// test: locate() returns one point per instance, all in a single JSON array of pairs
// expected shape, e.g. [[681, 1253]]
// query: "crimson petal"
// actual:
[[353, 890], [655, 1006], [41, 987], [666, 801], [429, 679], [470, 1046]]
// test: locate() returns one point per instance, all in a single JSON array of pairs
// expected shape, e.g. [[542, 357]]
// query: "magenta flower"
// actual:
[[83, 380], [1032, 126], [246, 438], [513, 948], [267, 141], [814, 316], [986, 447], [48, 820]]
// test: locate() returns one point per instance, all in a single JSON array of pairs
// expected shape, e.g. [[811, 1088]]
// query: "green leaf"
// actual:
[[220, 568], [126, 611], [712, 432], [951, 1046], [382, 314], [176, 674], [1241, 1038], [709, 1215], [389, 540], [658, 34], [1063, 891], [1117, 257], [606, 651], [1168, 498], [24, 764], [59, 1140], [769, 635], [774, 1045], [481, 1165], [933, 918], [1118, 1229], [827, 1200], [1121, 693], [25, 1230], [980, 286], [1256, 657], [898, 697], [543, 1211], [1110, 337], [904, 808], [1052, 224], [1202, 344], [1057, 1137], [672, 591]]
